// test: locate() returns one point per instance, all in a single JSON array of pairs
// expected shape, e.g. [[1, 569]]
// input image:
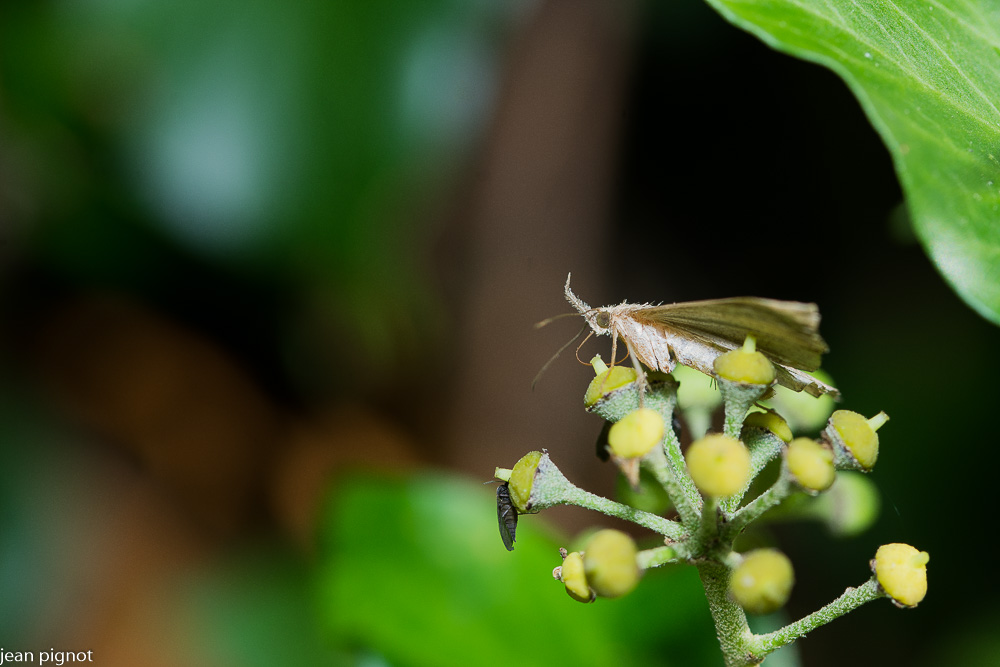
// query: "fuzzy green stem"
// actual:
[[708, 531], [673, 482], [580, 498], [550, 487], [780, 490], [688, 501], [736, 412], [849, 601], [657, 557], [730, 621], [764, 446], [738, 398], [669, 466]]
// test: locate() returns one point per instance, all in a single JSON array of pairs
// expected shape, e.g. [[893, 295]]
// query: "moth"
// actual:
[[506, 516], [694, 333]]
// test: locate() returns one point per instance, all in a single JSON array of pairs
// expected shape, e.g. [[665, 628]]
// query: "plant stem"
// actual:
[[758, 506], [730, 621], [738, 398], [667, 476], [574, 495], [764, 446], [851, 599], [708, 531], [657, 557]]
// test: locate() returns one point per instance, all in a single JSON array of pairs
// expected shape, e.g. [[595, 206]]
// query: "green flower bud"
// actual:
[[769, 420], [608, 381], [636, 433], [575, 579], [901, 571], [855, 438], [615, 392], [745, 365], [811, 464], [719, 465], [609, 562], [762, 583], [522, 479]]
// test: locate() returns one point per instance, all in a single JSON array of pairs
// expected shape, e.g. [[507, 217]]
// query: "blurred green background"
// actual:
[[267, 279]]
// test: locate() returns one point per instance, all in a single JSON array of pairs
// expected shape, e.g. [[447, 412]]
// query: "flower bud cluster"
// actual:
[[706, 483]]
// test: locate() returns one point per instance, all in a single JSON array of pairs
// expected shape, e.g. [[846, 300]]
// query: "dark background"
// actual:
[[249, 249]]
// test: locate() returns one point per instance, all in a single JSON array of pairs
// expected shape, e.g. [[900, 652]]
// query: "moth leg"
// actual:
[[640, 375], [614, 351]]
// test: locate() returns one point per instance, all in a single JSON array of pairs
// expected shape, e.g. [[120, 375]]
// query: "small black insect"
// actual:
[[506, 516]]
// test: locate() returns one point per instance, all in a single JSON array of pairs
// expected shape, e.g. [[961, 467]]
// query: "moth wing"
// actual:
[[800, 381], [786, 331], [505, 511]]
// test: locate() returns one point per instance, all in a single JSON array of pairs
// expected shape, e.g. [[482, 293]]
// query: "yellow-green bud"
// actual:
[[857, 435], [609, 562], [719, 465], [770, 421], [745, 365], [636, 433], [573, 576], [762, 583], [811, 464], [522, 478], [607, 381], [902, 573]]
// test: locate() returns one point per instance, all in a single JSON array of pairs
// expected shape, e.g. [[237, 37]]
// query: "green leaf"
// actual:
[[927, 73], [414, 571]]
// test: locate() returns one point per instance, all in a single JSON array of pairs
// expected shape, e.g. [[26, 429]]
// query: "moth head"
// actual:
[[599, 320]]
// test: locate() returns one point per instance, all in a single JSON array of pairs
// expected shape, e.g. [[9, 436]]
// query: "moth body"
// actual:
[[695, 333]]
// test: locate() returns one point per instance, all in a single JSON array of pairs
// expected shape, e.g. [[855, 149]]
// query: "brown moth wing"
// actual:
[[786, 331], [787, 376], [800, 381]]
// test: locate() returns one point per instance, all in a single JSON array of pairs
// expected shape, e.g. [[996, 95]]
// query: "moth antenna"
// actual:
[[585, 363], [556, 355], [573, 299], [550, 320]]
